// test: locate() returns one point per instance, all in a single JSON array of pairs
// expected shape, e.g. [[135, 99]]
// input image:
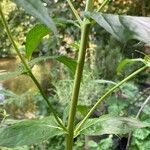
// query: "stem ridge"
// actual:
[[85, 28]]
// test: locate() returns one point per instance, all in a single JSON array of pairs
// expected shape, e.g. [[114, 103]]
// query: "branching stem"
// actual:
[[74, 12], [106, 95], [137, 116], [29, 70]]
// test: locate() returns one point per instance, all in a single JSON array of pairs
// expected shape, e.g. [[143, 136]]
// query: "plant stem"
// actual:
[[78, 76], [29, 71], [103, 5], [74, 12], [142, 107], [106, 95]]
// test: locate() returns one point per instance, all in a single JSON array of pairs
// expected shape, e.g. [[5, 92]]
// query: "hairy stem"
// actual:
[[29, 70], [78, 75], [106, 95]]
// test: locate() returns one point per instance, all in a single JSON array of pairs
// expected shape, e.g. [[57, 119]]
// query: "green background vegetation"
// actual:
[[23, 101]]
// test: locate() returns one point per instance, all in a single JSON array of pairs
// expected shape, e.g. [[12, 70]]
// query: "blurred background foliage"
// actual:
[[20, 98]]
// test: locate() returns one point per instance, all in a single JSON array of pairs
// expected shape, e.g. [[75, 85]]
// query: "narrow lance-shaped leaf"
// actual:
[[36, 9], [124, 27], [5, 75], [29, 132], [34, 37], [128, 61], [8, 75], [69, 62], [110, 125]]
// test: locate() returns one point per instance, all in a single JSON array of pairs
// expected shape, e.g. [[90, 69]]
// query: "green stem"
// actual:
[[74, 12], [78, 75], [106, 95], [28, 70], [103, 5]]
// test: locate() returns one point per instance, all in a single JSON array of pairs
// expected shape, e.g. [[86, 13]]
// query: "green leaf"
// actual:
[[82, 109], [141, 133], [36, 9], [8, 75], [69, 62], [128, 61], [140, 144], [122, 27], [63, 22], [116, 105], [92, 144], [106, 144], [34, 37], [29, 132], [110, 125]]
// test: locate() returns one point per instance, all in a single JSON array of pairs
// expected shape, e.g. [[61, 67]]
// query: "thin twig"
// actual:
[[137, 116], [142, 107], [142, 93], [74, 12], [103, 5]]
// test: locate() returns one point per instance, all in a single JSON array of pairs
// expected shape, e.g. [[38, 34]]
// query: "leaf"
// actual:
[[8, 75], [69, 62], [29, 132], [141, 134], [7, 93], [122, 27], [63, 22], [140, 144], [92, 144], [36, 9], [34, 37], [128, 61], [106, 144], [66, 113], [110, 125], [82, 109]]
